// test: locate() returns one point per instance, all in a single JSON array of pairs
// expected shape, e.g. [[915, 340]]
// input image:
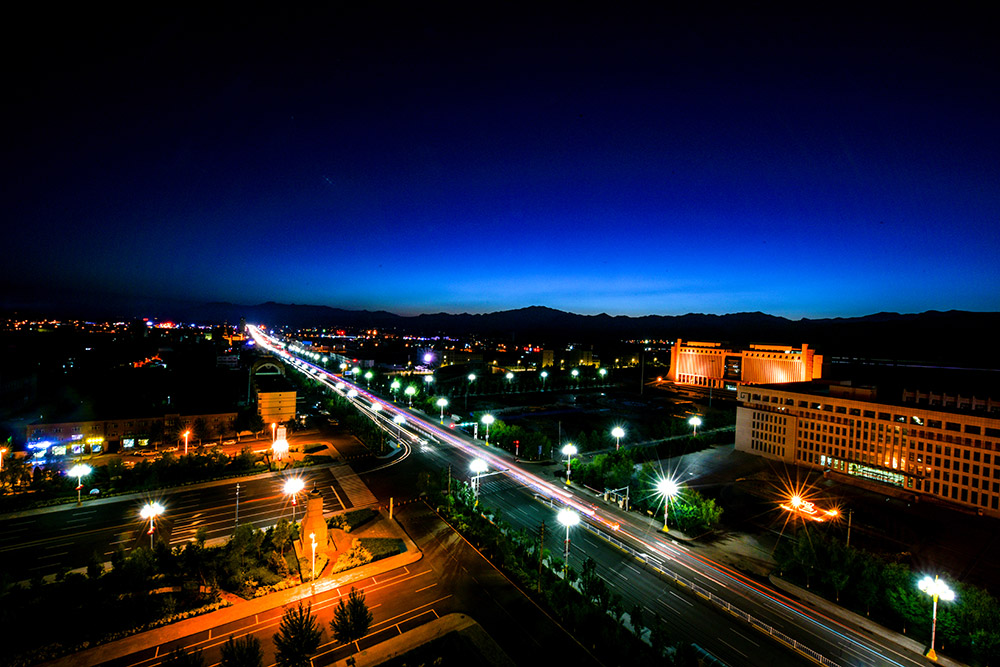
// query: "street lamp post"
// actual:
[[79, 471], [151, 511], [603, 372], [428, 380], [544, 374], [410, 391], [668, 489], [568, 518], [510, 381], [618, 433], [187, 434], [478, 467], [393, 388], [442, 403], [274, 426], [569, 450], [368, 380], [576, 376], [292, 488], [936, 589], [399, 421], [487, 419], [695, 423]]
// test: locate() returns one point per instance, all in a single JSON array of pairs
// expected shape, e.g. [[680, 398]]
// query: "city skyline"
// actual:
[[662, 163]]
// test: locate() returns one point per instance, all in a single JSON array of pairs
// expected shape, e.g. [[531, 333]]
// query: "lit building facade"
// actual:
[[97, 436], [275, 399], [930, 445], [711, 365]]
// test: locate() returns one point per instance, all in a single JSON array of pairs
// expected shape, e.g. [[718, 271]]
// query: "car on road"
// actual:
[[229, 442]]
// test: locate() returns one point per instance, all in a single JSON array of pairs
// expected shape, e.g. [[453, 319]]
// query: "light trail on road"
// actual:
[[732, 581]]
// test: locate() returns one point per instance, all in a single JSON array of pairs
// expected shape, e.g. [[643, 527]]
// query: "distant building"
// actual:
[[230, 361], [96, 436], [711, 365], [275, 398], [929, 445], [457, 357], [568, 358]]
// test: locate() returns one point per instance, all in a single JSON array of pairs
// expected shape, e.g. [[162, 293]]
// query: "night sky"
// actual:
[[657, 162]]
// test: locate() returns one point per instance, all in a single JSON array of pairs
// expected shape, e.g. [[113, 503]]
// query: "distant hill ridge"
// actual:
[[959, 337]]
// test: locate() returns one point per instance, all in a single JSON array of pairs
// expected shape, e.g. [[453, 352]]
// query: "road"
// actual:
[[451, 577], [67, 537], [830, 641]]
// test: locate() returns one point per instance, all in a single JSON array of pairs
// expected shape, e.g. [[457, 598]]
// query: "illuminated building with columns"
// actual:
[[711, 365], [937, 446]]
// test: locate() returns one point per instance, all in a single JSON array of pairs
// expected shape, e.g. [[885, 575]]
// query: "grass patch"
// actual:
[[382, 547], [312, 449], [348, 521]]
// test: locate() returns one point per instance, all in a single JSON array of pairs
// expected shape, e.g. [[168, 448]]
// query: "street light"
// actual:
[[442, 403], [510, 380], [544, 374], [410, 391], [668, 489], [569, 450], [576, 375], [478, 467], [292, 487], [393, 388], [280, 448], [151, 511], [568, 518], [368, 379], [399, 420], [603, 373], [695, 422], [79, 471], [343, 368], [487, 419], [352, 393], [186, 435], [355, 371], [429, 380], [618, 433], [936, 589], [273, 426]]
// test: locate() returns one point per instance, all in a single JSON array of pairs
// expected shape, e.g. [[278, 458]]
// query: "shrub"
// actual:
[[356, 556]]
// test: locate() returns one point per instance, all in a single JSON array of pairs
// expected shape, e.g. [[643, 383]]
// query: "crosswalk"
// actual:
[[357, 493]]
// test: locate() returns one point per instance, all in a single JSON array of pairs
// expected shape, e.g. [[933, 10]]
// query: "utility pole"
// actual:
[[449, 480], [850, 513], [541, 551], [237, 522]]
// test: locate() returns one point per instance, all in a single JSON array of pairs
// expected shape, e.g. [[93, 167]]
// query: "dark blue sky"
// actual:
[[660, 162]]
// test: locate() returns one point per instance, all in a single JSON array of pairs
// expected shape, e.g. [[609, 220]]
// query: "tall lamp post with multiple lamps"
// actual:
[[668, 489], [936, 589], [292, 488], [568, 518], [151, 511], [487, 420], [80, 470], [618, 433], [569, 451], [478, 468]]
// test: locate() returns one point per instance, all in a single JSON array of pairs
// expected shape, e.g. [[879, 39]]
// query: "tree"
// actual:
[[297, 637], [351, 620], [256, 423], [638, 625], [202, 430], [243, 652], [181, 659]]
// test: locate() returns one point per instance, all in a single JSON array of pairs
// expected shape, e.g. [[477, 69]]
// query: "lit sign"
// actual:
[[94, 441]]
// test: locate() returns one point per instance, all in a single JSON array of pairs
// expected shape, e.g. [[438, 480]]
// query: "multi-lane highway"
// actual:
[[765, 614], [68, 537]]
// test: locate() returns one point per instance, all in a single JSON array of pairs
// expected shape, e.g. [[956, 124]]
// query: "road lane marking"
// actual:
[[687, 602], [425, 587], [723, 641], [744, 637]]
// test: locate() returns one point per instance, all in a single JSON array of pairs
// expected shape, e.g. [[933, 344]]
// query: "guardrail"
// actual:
[[751, 620]]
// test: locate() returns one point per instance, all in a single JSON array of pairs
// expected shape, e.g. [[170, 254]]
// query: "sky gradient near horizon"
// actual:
[[665, 163]]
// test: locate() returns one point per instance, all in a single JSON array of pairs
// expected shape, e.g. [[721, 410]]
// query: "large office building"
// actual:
[[712, 365], [929, 445], [275, 398]]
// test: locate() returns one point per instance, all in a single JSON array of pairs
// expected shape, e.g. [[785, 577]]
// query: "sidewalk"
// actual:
[[122, 647], [848, 617]]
